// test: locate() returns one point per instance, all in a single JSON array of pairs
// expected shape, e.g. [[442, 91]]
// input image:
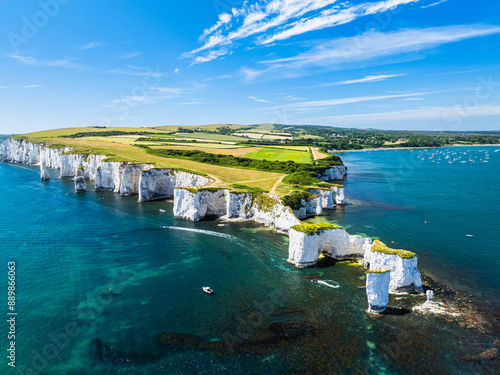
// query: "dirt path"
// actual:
[[275, 186], [313, 152]]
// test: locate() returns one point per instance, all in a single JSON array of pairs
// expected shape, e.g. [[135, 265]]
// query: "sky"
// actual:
[[384, 64]]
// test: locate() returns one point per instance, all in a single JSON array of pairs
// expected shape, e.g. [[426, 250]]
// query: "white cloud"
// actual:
[[126, 56], [434, 4], [373, 78], [176, 70], [274, 20], [31, 61], [90, 45], [333, 17], [258, 100], [5, 87], [224, 19], [31, 86], [375, 45]]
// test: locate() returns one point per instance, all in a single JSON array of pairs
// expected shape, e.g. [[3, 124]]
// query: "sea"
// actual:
[[107, 285]]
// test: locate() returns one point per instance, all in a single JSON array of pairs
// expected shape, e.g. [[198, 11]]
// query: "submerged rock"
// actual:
[[377, 289], [468, 359], [431, 306], [489, 354]]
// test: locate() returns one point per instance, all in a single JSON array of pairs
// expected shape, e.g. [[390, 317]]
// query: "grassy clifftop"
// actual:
[[220, 151]]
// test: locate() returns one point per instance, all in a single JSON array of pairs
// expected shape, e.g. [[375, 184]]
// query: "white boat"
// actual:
[[162, 210], [469, 235], [208, 290]]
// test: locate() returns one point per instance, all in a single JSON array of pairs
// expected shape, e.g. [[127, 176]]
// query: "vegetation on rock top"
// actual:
[[378, 270], [381, 247], [313, 229]]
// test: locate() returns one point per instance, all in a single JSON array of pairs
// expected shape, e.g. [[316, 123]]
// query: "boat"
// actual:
[[314, 281], [208, 290], [469, 235], [162, 210]]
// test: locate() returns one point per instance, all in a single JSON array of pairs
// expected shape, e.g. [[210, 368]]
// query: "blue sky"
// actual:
[[387, 64]]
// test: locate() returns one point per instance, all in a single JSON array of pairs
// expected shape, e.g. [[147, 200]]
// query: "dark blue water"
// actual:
[[102, 288]]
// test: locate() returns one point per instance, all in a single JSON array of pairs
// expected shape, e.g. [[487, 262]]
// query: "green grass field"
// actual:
[[280, 154]]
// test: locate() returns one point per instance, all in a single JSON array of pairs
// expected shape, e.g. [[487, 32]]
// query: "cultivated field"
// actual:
[[280, 154], [119, 149]]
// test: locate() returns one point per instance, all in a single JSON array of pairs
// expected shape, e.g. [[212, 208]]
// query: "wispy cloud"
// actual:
[[132, 100], [372, 45], [310, 105], [132, 70], [292, 97], [64, 63], [333, 17], [259, 100], [157, 94], [126, 56], [434, 4], [90, 45], [192, 103], [373, 78], [5, 87], [170, 90], [31, 86], [276, 20]]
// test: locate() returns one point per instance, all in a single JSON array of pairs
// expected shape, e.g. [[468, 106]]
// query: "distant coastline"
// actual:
[[414, 148]]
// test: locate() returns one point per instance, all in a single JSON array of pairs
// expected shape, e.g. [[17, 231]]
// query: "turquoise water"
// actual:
[[107, 285]]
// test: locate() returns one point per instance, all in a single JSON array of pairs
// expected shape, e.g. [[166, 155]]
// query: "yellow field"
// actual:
[[237, 151]]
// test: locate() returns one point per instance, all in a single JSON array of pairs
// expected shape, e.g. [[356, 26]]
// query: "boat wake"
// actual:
[[329, 283], [207, 232]]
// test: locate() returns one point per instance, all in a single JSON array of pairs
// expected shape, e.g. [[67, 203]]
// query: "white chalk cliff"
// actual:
[[330, 196], [333, 173], [44, 173], [405, 276], [195, 204], [121, 177], [377, 289], [305, 249], [80, 184], [159, 183], [309, 241]]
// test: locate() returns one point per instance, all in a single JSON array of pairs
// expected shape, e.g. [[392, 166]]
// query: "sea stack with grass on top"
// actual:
[[377, 289]]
